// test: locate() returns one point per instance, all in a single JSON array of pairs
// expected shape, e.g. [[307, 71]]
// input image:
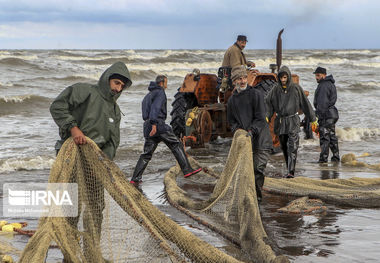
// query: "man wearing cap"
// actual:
[[154, 114], [91, 110], [324, 102], [234, 55], [285, 99], [246, 110]]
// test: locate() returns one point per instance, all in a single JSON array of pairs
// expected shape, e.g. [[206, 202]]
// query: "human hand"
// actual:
[[78, 136], [251, 64], [153, 131]]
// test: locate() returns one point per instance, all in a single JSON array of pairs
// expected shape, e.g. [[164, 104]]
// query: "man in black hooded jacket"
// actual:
[[285, 99], [324, 102], [246, 110], [154, 114]]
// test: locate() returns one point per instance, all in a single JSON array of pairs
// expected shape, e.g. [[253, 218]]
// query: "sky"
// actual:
[[195, 24]]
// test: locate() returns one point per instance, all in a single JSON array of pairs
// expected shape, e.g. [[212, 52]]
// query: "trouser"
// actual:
[[150, 146], [260, 160], [289, 146], [328, 140]]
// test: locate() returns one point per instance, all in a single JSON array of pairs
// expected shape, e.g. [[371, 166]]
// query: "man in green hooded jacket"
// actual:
[[91, 110]]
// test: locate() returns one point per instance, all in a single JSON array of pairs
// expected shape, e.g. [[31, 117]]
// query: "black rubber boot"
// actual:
[[150, 146], [182, 160]]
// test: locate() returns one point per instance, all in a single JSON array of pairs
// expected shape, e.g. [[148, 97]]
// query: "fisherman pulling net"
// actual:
[[132, 229]]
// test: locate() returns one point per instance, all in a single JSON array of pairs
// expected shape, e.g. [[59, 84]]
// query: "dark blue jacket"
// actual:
[[154, 109], [325, 98]]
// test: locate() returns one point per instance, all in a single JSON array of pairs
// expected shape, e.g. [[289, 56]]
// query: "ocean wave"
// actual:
[[368, 64], [361, 87], [28, 164], [18, 62], [362, 51], [179, 69], [356, 134], [74, 78], [22, 104], [143, 75], [18, 56]]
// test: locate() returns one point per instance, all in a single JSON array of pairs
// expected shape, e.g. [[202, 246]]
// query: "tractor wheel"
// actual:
[[182, 102]]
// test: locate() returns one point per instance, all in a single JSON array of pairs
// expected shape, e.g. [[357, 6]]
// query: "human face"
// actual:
[[319, 77], [116, 85], [241, 82], [241, 44], [165, 83], [284, 79]]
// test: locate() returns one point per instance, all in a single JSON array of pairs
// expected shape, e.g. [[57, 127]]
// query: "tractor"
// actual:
[[199, 109]]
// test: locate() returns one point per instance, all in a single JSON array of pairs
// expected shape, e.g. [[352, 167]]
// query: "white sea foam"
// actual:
[[365, 51], [356, 134], [15, 99], [37, 163], [368, 64], [24, 57]]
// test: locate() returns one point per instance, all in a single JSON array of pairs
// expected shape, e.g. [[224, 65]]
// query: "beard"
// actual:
[[241, 88]]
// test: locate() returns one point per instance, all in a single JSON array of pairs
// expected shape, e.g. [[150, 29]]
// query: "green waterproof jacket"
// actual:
[[286, 103], [93, 109]]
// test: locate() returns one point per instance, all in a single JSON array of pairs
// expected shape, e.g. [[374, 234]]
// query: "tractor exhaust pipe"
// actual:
[[279, 50]]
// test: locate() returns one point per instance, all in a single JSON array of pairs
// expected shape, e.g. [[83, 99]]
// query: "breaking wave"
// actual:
[[356, 134], [26, 164], [21, 104]]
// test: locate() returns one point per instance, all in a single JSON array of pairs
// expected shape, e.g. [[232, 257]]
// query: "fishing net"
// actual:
[[232, 210], [116, 223]]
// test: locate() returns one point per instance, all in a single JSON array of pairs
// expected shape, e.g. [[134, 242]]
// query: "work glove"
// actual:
[[314, 125]]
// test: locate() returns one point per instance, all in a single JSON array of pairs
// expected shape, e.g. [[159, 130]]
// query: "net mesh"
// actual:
[[116, 223], [232, 208]]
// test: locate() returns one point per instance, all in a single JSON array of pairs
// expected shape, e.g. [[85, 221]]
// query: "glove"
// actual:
[[314, 125]]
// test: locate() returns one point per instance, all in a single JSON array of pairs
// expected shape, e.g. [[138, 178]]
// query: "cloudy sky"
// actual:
[[193, 24]]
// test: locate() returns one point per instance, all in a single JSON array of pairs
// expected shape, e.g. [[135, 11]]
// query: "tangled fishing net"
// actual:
[[232, 209], [116, 223]]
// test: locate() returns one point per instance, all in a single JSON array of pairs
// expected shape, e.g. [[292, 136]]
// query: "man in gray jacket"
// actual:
[[285, 99]]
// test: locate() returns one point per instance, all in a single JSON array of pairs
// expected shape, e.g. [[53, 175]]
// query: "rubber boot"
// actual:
[[139, 170], [183, 162]]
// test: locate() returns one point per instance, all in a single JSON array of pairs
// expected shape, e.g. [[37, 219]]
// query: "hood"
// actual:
[[153, 85], [330, 78], [104, 84], [287, 70]]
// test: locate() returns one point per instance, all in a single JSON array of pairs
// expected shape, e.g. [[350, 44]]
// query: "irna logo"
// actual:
[[41, 197]]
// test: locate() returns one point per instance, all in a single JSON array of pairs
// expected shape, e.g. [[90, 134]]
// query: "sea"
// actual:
[[31, 79]]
